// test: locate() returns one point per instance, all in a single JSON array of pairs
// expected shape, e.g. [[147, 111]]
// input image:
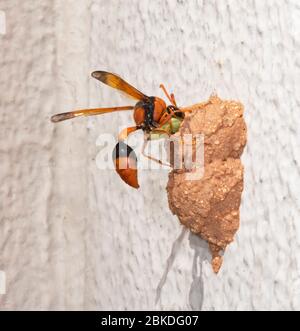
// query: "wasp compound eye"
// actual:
[[125, 162]]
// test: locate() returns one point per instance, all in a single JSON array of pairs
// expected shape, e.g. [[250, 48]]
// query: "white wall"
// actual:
[[73, 236]]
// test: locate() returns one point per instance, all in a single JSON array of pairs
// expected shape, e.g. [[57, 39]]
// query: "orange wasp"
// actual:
[[151, 114]]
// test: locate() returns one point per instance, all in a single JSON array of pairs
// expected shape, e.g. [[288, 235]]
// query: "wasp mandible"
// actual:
[[151, 114]]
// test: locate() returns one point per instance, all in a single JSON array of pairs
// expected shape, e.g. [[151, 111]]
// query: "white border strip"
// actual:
[[2, 282], [2, 23]]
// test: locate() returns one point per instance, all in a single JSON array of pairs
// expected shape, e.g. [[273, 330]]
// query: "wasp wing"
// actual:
[[87, 112], [118, 83]]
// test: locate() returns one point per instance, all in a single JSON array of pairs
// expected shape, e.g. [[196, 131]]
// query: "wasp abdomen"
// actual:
[[125, 162]]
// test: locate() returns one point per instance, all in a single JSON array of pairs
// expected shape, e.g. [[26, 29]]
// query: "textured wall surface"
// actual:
[[73, 236]]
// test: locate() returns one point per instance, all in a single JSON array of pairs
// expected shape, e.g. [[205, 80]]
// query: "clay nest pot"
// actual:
[[209, 205]]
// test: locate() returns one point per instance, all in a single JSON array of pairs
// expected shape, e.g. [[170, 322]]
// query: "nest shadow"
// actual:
[[201, 254]]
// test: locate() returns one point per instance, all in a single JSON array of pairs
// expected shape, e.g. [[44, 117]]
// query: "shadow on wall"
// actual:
[[201, 254]]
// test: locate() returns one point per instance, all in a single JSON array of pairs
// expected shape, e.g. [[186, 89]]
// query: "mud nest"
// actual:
[[210, 205]]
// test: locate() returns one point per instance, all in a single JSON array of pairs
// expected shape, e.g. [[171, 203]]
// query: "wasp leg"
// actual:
[[146, 141], [191, 109], [161, 131], [185, 110], [165, 119]]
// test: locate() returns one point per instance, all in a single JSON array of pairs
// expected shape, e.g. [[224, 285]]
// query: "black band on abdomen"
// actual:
[[123, 150]]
